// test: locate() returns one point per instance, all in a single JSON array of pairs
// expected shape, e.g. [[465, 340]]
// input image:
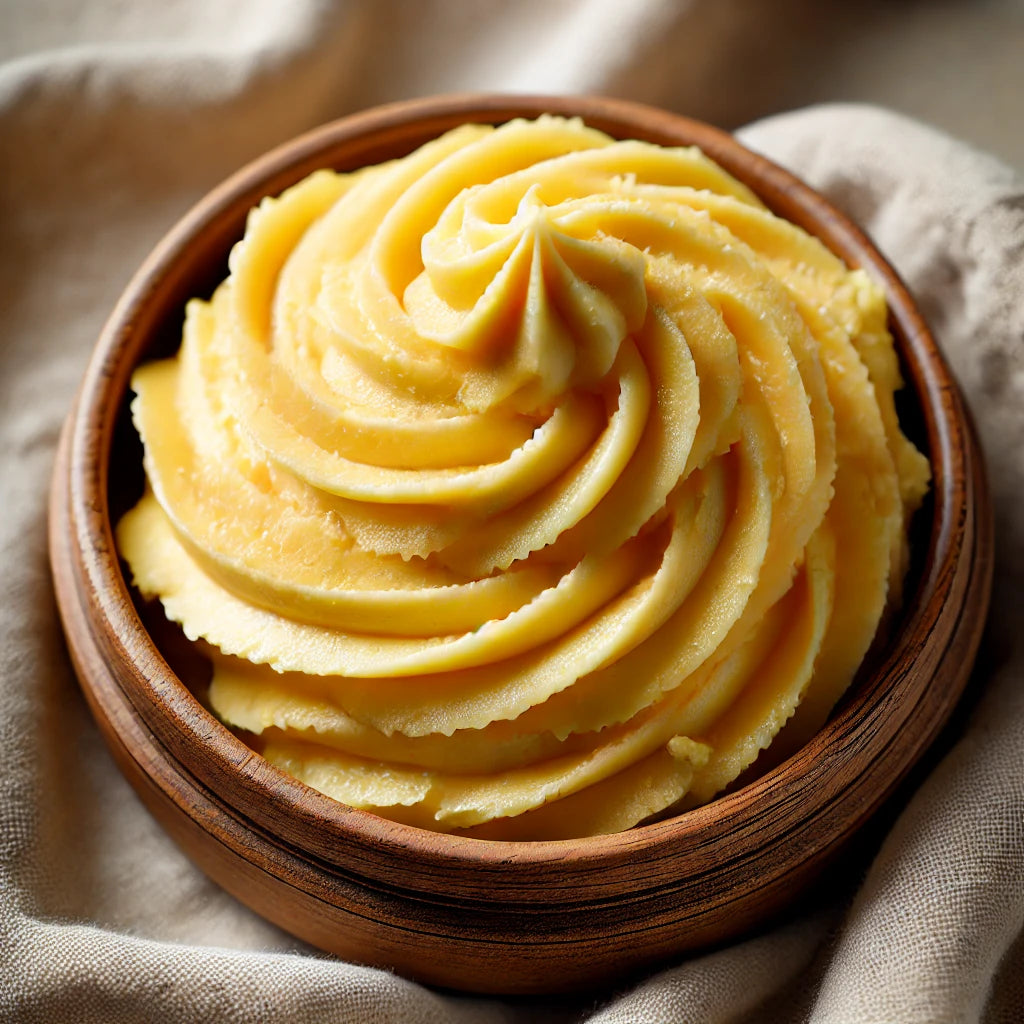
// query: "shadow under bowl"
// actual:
[[466, 913]]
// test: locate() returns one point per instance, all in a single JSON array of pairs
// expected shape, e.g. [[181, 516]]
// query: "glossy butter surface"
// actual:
[[526, 486]]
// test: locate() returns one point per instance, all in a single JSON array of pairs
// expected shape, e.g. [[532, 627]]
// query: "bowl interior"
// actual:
[[164, 680]]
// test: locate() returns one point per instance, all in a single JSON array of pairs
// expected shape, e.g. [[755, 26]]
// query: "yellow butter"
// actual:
[[529, 486]]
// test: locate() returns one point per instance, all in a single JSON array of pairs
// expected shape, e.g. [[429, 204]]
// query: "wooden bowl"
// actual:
[[500, 916]]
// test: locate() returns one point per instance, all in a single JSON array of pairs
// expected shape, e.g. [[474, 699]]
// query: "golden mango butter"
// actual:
[[528, 486]]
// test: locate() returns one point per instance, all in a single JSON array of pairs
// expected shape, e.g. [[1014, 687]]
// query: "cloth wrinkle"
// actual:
[[109, 135]]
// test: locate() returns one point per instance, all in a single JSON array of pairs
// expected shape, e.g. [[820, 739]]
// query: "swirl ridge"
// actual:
[[528, 486]]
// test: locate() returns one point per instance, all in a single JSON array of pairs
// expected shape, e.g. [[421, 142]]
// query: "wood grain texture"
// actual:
[[487, 916]]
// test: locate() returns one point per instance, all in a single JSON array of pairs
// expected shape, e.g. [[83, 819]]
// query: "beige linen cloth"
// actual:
[[114, 118]]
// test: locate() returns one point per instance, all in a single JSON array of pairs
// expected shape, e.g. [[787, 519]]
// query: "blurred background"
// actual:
[[958, 64]]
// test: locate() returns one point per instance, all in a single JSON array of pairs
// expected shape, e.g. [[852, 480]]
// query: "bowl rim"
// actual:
[[336, 832]]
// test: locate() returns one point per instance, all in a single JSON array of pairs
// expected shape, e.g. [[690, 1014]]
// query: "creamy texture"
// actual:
[[526, 486]]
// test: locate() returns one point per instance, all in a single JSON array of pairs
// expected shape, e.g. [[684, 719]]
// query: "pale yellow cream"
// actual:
[[526, 486]]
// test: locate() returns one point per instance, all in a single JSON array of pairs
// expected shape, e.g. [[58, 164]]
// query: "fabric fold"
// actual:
[[102, 918]]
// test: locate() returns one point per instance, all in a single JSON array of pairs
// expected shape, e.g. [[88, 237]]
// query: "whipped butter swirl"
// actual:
[[526, 486]]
